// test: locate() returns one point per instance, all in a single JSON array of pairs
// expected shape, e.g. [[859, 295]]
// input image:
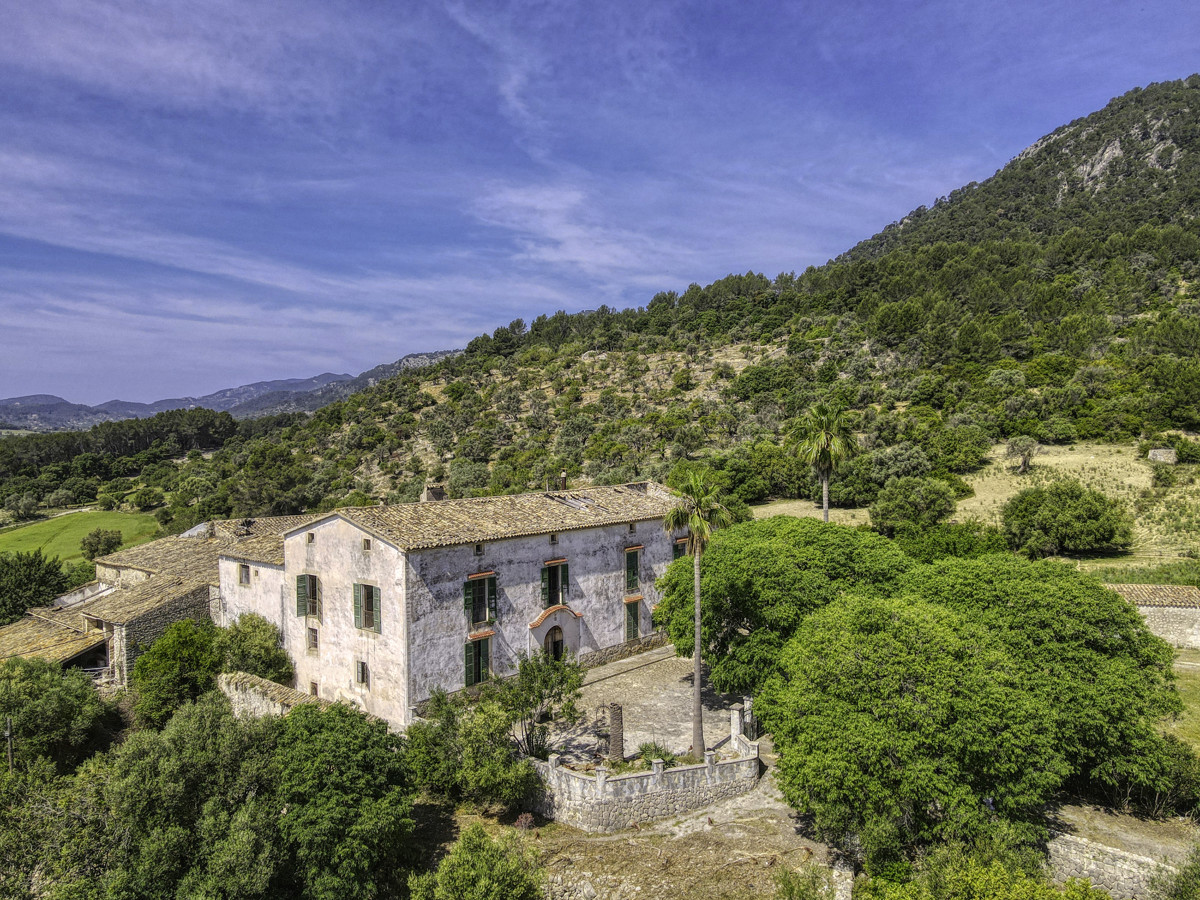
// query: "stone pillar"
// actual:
[[657, 767], [735, 725], [601, 781], [710, 763], [749, 726], [616, 733]]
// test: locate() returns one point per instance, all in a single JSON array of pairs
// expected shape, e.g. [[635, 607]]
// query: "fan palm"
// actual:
[[825, 441], [701, 513]]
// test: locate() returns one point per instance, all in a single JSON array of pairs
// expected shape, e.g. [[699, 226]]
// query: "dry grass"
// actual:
[[1187, 680], [1166, 521]]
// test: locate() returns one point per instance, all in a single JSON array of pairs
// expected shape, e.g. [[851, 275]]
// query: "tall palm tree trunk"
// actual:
[[825, 496], [697, 709]]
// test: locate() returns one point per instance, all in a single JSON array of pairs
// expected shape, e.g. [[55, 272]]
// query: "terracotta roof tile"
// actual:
[[443, 523], [1178, 595], [37, 637]]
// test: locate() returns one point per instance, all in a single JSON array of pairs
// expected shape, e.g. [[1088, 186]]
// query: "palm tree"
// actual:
[[825, 442], [701, 513]]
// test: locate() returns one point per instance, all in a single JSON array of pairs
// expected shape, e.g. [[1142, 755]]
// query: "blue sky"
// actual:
[[201, 194]]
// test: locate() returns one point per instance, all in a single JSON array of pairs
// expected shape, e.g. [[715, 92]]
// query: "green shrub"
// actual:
[[911, 503], [100, 542], [652, 750], [1066, 517], [480, 868], [56, 714]]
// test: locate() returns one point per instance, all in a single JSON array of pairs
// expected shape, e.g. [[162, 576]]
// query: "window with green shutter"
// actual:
[[367, 613], [308, 595], [479, 599], [632, 575], [632, 625], [679, 549], [556, 580], [476, 661]]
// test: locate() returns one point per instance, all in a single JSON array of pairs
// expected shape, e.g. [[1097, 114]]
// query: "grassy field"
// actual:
[[1187, 679], [61, 535], [1166, 521]]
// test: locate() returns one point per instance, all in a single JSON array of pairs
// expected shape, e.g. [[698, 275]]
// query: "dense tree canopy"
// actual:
[[28, 580], [759, 580], [1066, 517]]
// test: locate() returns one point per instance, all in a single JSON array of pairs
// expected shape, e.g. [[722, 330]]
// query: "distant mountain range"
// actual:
[[46, 412]]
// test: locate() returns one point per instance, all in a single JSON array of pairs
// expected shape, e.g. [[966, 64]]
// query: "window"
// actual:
[[366, 545], [367, 614], [633, 527], [312, 688], [477, 659], [680, 548], [632, 569], [479, 599], [314, 639], [555, 583], [308, 595], [243, 574], [553, 540], [479, 549], [632, 625], [312, 537], [361, 674]]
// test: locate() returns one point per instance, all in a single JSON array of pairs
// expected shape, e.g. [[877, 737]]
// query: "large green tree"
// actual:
[[28, 580], [1066, 517], [700, 512], [824, 440], [759, 580], [55, 714]]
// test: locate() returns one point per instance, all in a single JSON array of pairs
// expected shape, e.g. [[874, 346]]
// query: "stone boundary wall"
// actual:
[[252, 696], [1179, 626], [601, 803], [1126, 876], [625, 650]]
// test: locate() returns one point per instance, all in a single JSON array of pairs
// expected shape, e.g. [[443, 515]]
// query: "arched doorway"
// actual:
[[554, 643]]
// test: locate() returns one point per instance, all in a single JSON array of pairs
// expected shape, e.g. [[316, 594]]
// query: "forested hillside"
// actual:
[[1056, 300]]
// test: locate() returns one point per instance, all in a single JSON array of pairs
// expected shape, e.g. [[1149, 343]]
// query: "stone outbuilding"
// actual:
[[1171, 611]]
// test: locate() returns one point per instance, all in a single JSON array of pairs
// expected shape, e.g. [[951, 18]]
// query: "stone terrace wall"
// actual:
[[254, 697], [1178, 626], [601, 802], [623, 651], [1126, 876]]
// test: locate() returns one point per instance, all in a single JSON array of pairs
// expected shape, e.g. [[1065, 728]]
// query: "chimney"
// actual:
[[433, 492], [562, 480]]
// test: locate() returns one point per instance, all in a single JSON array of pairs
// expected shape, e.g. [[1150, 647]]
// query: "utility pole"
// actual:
[[8, 736]]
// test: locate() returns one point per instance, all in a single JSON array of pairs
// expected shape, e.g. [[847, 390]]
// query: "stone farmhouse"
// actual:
[[104, 625], [381, 606]]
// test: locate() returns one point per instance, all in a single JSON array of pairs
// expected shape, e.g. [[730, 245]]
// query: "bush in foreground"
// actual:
[[480, 868]]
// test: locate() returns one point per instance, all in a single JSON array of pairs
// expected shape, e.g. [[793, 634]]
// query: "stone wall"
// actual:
[[254, 697], [601, 802], [135, 636], [624, 650], [1126, 876], [1178, 626]]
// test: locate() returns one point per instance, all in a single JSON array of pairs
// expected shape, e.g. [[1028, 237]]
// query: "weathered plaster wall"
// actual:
[[1126, 876], [254, 697], [131, 640], [1178, 626], [263, 595], [337, 558], [596, 560]]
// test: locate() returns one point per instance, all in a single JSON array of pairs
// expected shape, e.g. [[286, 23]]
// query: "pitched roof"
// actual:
[[444, 523], [1177, 595], [36, 637]]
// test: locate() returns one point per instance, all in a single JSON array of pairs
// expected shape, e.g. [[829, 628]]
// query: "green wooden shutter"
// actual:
[[631, 571], [378, 597], [469, 659], [545, 587], [491, 597], [302, 595], [358, 605], [485, 647], [631, 621], [565, 582], [468, 599]]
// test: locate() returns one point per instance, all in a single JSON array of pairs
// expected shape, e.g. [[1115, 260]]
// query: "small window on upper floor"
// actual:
[[554, 539], [362, 674], [366, 545], [314, 639], [312, 537], [633, 527], [312, 688], [479, 549], [243, 574]]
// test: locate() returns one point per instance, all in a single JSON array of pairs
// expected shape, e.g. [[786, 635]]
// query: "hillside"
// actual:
[[1067, 314]]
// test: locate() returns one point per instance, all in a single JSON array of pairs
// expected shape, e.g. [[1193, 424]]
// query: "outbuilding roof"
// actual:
[[32, 636], [445, 523], [1177, 595]]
